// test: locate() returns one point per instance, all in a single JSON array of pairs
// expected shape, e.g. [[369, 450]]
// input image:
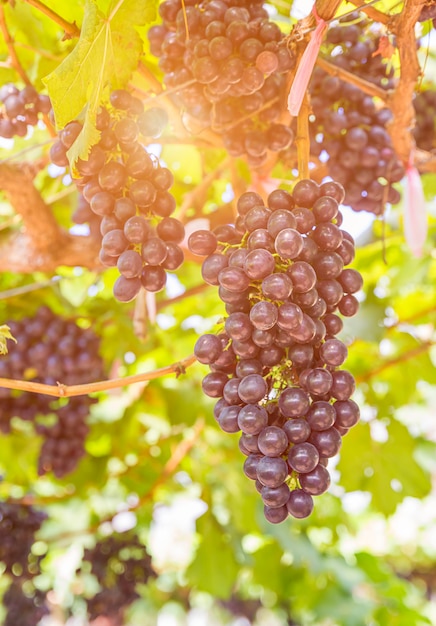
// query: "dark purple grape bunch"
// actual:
[[125, 195], [226, 62], [18, 526], [50, 350], [348, 130], [275, 366], [24, 606], [425, 115], [357, 45], [120, 563], [20, 109]]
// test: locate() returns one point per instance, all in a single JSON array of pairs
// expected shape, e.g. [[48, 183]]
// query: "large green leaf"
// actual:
[[387, 469], [105, 56], [214, 568]]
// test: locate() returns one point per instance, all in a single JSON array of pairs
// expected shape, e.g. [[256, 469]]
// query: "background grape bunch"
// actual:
[[120, 563], [25, 605], [226, 62], [20, 108], [51, 349], [275, 365], [349, 127]]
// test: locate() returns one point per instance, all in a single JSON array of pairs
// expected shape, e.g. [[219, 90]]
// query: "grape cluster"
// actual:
[[275, 365], [20, 109], [350, 129], [425, 127], [355, 44], [125, 193], [51, 349], [120, 563], [227, 63], [25, 605], [18, 525]]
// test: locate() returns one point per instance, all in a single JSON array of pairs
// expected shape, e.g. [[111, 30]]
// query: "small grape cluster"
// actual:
[[120, 563], [425, 127], [226, 61], [350, 129], [356, 43], [274, 366], [18, 525], [51, 349], [20, 109], [25, 605], [126, 195]]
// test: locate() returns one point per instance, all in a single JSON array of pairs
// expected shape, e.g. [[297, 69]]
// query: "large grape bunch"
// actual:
[[226, 61], [275, 366], [348, 127], [126, 194], [51, 350], [425, 126], [120, 563], [20, 108]]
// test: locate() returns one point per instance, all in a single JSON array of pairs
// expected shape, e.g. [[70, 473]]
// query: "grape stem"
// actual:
[[19, 291], [372, 13], [71, 29], [370, 88], [68, 391], [303, 141], [15, 61]]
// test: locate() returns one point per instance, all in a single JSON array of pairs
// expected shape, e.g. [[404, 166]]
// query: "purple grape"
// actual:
[[300, 504]]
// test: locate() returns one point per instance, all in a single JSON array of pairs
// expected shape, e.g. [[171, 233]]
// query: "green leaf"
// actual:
[[214, 568], [105, 56], [5, 333], [386, 469]]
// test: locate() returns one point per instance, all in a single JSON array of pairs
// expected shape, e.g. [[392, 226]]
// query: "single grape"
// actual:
[[300, 504]]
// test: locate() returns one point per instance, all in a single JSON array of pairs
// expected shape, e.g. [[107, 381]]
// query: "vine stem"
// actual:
[[16, 64], [71, 29], [370, 88], [371, 12], [405, 356], [68, 391], [303, 141]]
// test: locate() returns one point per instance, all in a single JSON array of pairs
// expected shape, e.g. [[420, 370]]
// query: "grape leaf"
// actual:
[[105, 56], [386, 469], [5, 333], [214, 557]]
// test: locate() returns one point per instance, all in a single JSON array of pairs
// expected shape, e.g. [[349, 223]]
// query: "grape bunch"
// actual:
[[125, 193], [275, 365], [226, 62], [349, 129], [51, 349], [120, 563], [18, 525], [24, 606], [425, 127], [355, 44], [20, 109]]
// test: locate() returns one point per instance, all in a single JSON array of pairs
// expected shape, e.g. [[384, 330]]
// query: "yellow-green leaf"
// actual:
[[107, 52], [5, 333]]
